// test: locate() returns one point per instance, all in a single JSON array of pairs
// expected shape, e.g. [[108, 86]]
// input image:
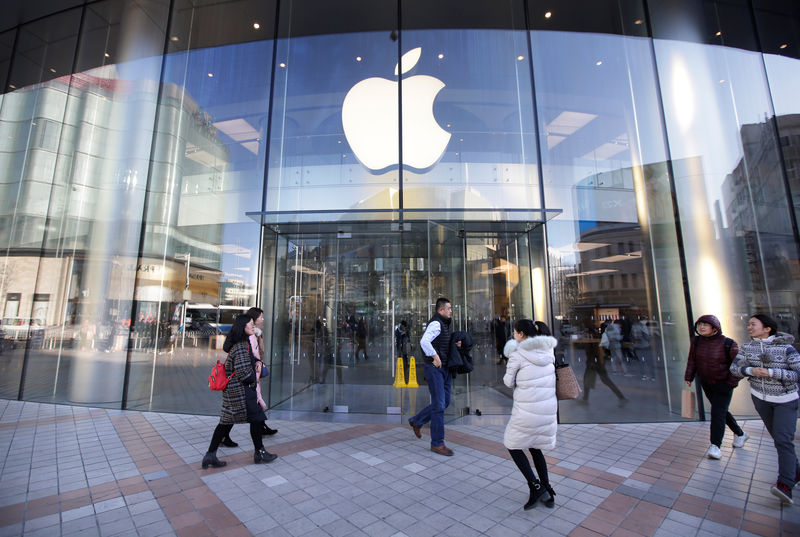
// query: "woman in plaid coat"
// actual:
[[239, 398]]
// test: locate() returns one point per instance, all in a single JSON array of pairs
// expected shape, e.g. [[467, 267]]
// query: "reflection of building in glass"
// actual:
[[749, 221]]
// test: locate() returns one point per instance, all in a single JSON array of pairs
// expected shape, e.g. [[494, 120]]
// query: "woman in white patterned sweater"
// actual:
[[772, 367]]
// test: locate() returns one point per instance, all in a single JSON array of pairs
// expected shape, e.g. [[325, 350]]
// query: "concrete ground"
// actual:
[[86, 471]]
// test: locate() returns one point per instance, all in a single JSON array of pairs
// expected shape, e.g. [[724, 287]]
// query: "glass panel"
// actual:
[[199, 261], [740, 250], [320, 85], [468, 123], [89, 143], [779, 32], [31, 120], [612, 249], [6, 49]]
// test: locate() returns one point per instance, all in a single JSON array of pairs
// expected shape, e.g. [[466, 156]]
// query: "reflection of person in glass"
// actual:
[[361, 338], [501, 326], [239, 398], [640, 334], [595, 365], [772, 367], [435, 343], [614, 334], [533, 424]]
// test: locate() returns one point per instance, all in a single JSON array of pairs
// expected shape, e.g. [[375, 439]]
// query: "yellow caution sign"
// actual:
[[412, 374], [399, 376]]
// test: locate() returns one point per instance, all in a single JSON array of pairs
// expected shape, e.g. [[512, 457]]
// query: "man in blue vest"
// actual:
[[435, 343]]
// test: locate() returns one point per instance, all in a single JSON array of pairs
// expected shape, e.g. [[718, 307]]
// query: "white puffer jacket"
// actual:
[[530, 371]]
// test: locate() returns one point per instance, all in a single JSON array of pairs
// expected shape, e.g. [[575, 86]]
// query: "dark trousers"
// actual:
[[780, 419], [224, 429], [719, 395], [597, 369], [525, 467]]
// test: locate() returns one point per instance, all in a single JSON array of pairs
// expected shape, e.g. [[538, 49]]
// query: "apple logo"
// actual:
[[369, 118]]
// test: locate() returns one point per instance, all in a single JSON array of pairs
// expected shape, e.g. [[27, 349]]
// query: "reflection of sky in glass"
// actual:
[[784, 79], [599, 116], [235, 97]]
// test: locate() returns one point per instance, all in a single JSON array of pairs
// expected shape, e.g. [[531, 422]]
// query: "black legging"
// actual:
[[224, 429], [525, 467]]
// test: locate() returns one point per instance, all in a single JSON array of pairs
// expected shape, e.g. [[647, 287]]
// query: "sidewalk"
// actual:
[[80, 471]]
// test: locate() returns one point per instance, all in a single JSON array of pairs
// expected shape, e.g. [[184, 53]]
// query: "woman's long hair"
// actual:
[[254, 313], [237, 332]]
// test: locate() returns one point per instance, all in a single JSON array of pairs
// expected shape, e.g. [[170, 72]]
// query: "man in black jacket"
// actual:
[[435, 343]]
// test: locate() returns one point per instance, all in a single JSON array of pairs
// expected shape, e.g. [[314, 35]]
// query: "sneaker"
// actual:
[[714, 452], [739, 440], [782, 491]]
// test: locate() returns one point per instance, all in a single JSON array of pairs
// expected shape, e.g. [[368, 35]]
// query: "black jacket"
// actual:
[[460, 360]]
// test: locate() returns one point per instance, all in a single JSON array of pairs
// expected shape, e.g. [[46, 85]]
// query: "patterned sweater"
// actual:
[[781, 359]]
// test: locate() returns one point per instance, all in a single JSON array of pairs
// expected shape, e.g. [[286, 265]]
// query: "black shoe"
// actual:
[[211, 459], [227, 442], [549, 497], [536, 492], [266, 431], [262, 456]]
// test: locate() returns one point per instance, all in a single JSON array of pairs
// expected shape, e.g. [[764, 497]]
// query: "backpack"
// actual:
[[217, 379]]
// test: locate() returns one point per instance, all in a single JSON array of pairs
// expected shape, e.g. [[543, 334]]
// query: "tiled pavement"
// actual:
[[79, 471]]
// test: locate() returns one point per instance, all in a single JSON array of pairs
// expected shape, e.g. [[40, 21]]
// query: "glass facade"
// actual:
[[168, 164]]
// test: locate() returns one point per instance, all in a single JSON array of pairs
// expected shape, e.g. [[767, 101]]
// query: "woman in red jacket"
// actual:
[[710, 357]]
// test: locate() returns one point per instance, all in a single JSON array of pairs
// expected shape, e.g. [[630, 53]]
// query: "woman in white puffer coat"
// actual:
[[533, 424]]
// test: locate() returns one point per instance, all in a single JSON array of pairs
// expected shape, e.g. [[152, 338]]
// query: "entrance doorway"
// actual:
[[340, 295]]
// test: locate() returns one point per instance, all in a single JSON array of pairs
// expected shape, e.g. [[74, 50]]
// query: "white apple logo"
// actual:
[[369, 118]]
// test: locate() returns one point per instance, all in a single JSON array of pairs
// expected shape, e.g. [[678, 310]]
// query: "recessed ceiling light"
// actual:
[[448, 125], [174, 38], [359, 58], [210, 75], [722, 81], [548, 14], [520, 58], [784, 46], [441, 56], [12, 86], [107, 55], [718, 34], [599, 62], [52, 70], [338, 141], [256, 25], [282, 64], [638, 21]]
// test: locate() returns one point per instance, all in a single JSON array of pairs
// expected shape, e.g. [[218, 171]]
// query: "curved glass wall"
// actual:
[[613, 165]]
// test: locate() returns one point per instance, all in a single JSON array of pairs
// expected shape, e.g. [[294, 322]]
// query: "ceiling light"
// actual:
[[441, 56], [718, 34], [358, 58], [12, 86], [256, 25], [282, 64], [548, 14], [107, 55], [52, 70], [520, 58], [599, 62], [783, 46], [638, 21], [722, 81], [174, 38]]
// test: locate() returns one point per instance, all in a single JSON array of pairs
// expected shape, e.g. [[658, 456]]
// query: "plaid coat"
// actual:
[[235, 395]]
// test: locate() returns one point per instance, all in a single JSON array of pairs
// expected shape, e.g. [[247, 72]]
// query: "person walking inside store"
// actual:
[[710, 358], [435, 343], [640, 334], [239, 398], [501, 326], [257, 346], [596, 355], [531, 373], [772, 367]]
